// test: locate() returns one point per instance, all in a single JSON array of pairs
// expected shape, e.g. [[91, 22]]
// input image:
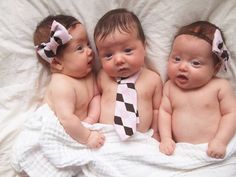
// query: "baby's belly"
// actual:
[[106, 120], [193, 131]]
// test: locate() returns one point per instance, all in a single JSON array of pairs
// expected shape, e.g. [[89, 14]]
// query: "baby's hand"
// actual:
[[95, 139], [167, 146], [216, 149]]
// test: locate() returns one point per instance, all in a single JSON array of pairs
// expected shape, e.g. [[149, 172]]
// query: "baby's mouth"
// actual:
[[90, 62], [182, 78], [122, 69]]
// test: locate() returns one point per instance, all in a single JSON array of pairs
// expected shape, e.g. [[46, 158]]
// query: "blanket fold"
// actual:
[[52, 152]]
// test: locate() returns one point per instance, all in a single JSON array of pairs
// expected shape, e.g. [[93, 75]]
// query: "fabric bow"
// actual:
[[219, 48], [58, 37]]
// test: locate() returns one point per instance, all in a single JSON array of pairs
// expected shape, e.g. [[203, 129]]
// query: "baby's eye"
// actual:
[[196, 63], [108, 56], [128, 50], [177, 59], [80, 48]]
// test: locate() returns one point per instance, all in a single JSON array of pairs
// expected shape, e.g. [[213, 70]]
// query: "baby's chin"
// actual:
[[79, 75], [121, 75], [188, 86], [126, 73]]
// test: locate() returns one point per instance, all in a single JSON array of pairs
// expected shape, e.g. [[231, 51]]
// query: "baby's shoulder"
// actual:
[[150, 79], [148, 75], [58, 79], [220, 82], [60, 86]]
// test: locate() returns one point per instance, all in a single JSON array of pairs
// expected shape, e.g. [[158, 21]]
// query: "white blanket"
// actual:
[[49, 151]]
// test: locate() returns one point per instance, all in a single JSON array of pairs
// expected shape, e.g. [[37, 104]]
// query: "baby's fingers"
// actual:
[[102, 140], [216, 155], [168, 150]]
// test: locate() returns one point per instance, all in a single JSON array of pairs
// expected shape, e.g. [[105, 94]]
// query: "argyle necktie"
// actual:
[[126, 113]]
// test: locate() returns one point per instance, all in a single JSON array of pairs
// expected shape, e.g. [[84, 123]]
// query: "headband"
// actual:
[[218, 46], [220, 49], [58, 37]]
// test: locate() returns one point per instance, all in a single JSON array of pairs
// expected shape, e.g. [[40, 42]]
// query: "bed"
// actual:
[[23, 81]]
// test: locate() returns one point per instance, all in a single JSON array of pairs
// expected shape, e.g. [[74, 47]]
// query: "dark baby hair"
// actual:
[[118, 19]]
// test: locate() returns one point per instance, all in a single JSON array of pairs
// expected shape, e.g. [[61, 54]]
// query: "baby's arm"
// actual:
[[217, 146], [64, 99], [94, 106], [167, 145], [156, 103]]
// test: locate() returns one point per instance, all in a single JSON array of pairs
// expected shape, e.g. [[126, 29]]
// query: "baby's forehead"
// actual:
[[79, 36], [191, 44], [187, 38], [118, 38]]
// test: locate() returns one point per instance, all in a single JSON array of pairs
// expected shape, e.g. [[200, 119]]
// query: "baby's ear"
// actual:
[[56, 64]]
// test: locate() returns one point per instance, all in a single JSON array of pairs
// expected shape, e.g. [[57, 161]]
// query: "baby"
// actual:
[[121, 47], [62, 44], [197, 107]]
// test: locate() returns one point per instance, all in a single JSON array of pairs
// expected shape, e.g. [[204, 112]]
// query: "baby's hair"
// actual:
[[204, 30], [42, 31], [118, 19]]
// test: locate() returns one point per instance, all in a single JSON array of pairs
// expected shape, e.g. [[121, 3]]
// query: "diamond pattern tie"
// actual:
[[126, 114]]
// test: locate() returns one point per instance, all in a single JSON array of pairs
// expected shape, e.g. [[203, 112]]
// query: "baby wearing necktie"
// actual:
[[130, 93]]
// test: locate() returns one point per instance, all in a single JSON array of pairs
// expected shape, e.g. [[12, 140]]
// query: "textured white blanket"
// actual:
[[50, 152]]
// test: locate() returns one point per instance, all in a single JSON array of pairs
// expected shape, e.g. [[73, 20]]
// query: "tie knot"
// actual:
[[125, 81], [128, 80]]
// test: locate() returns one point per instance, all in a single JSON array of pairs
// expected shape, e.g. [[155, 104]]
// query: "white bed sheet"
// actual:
[[23, 79]]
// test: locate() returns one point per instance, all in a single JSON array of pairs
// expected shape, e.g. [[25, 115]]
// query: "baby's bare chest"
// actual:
[[197, 100]]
